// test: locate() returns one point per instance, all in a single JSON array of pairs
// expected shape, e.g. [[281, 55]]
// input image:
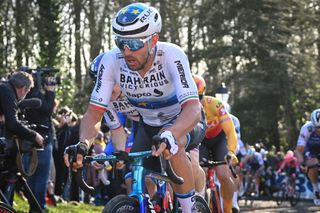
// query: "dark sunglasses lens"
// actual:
[[132, 44]]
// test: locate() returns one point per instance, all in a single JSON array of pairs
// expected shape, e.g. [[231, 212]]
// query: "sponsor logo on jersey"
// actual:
[[133, 82], [99, 78], [96, 99], [110, 116], [222, 111], [157, 93], [188, 94], [121, 106], [139, 95], [182, 74]]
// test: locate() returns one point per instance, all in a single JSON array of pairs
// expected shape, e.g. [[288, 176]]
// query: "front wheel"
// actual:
[[6, 208], [213, 200], [122, 204], [295, 198], [281, 194], [200, 205]]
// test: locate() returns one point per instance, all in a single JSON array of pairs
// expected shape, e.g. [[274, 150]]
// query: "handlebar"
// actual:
[[168, 168], [72, 152], [216, 163], [116, 156], [232, 169]]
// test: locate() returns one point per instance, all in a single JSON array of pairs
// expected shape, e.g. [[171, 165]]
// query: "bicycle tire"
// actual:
[[295, 199], [162, 204], [212, 198], [122, 204], [200, 205], [6, 208], [281, 195]]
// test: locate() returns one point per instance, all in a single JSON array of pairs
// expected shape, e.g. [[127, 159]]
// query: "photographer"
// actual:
[[13, 91], [42, 117]]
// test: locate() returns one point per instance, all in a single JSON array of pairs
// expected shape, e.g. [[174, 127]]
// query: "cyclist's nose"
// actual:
[[126, 50]]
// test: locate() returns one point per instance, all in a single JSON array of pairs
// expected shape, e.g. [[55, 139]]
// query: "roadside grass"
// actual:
[[22, 206]]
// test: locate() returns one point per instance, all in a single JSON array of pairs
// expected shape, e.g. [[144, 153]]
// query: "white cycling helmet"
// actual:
[[136, 20], [315, 118]]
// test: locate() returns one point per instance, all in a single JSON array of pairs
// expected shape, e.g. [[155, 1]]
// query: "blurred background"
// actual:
[[266, 52]]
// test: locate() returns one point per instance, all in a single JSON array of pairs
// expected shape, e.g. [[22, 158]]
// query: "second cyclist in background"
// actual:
[[220, 138], [308, 149]]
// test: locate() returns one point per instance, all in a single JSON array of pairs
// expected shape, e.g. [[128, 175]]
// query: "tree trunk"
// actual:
[[77, 54]]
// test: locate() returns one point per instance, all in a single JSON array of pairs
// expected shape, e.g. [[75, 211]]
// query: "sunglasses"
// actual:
[[133, 44]]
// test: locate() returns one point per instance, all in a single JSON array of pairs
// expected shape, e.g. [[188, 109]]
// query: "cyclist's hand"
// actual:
[[167, 142], [74, 154], [231, 158]]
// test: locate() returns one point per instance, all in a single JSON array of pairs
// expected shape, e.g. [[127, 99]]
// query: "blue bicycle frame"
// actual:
[[138, 176]]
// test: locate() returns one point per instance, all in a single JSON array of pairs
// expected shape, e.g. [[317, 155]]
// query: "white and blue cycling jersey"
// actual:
[[309, 139], [121, 105], [159, 95]]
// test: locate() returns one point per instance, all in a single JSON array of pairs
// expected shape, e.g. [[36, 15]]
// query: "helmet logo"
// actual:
[[146, 15], [135, 12], [124, 10]]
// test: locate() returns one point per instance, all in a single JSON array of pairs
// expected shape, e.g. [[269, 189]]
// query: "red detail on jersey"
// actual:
[[213, 130], [97, 107], [222, 110], [190, 101]]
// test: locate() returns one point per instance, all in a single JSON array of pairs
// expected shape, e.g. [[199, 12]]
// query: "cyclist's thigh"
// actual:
[[217, 146], [203, 154], [196, 135], [143, 142], [143, 139]]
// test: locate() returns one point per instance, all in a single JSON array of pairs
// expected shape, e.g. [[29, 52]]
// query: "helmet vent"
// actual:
[[156, 17], [126, 24], [131, 32]]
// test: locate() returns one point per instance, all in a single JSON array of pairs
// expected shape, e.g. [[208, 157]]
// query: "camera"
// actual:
[[43, 76]]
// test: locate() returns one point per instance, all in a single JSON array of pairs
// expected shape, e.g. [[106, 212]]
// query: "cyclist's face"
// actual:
[[317, 130], [136, 60]]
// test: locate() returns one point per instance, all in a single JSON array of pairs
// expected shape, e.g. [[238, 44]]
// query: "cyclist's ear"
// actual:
[[154, 40]]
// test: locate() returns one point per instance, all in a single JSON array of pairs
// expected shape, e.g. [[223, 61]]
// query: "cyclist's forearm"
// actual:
[[90, 125], [186, 121], [299, 153]]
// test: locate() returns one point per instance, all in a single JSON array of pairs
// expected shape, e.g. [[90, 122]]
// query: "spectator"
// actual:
[[41, 117]]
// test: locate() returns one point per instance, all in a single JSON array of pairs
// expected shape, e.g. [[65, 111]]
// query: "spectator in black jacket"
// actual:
[[13, 91], [42, 118]]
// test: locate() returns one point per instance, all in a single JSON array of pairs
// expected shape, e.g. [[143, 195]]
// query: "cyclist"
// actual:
[[254, 164], [157, 81], [220, 138], [289, 165], [240, 150], [308, 149]]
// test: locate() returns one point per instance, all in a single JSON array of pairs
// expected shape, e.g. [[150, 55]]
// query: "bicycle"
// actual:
[[250, 192], [138, 200], [288, 192], [212, 195]]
